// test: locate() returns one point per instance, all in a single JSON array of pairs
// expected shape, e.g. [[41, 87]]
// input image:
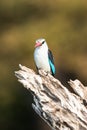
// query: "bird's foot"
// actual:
[[47, 73], [42, 72]]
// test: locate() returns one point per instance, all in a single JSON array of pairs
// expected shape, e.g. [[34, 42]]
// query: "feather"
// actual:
[[51, 62]]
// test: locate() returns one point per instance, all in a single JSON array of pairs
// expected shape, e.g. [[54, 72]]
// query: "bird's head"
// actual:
[[40, 43]]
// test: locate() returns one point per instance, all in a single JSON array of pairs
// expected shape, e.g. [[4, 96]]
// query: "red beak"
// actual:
[[37, 44]]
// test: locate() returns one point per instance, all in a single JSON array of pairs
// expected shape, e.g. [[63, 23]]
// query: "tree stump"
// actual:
[[53, 102]]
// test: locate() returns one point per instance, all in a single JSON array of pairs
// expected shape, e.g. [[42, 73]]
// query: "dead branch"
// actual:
[[53, 102]]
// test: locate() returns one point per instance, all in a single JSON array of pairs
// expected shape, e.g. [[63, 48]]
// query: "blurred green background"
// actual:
[[64, 26]]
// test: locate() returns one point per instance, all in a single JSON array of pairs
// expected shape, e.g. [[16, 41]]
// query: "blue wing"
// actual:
[[51, 62]]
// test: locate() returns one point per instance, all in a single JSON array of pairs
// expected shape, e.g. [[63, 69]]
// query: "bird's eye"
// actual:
[[43, 42]]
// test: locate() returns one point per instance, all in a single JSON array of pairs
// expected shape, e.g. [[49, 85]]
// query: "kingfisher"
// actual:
[[43, 57]]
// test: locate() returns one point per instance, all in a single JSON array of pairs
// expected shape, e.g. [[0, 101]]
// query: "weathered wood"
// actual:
[[53, 102]]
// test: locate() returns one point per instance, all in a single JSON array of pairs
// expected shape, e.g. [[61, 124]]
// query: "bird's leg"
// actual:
[[47, 73], [42, 72]]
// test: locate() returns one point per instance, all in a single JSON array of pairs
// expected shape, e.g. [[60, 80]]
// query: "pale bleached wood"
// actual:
[[53, 102], [79, 89]]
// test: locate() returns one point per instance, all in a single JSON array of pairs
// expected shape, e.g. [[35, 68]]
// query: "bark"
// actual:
[[53, 102]]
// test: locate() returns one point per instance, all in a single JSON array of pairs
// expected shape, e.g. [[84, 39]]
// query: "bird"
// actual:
[[43, 57]]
